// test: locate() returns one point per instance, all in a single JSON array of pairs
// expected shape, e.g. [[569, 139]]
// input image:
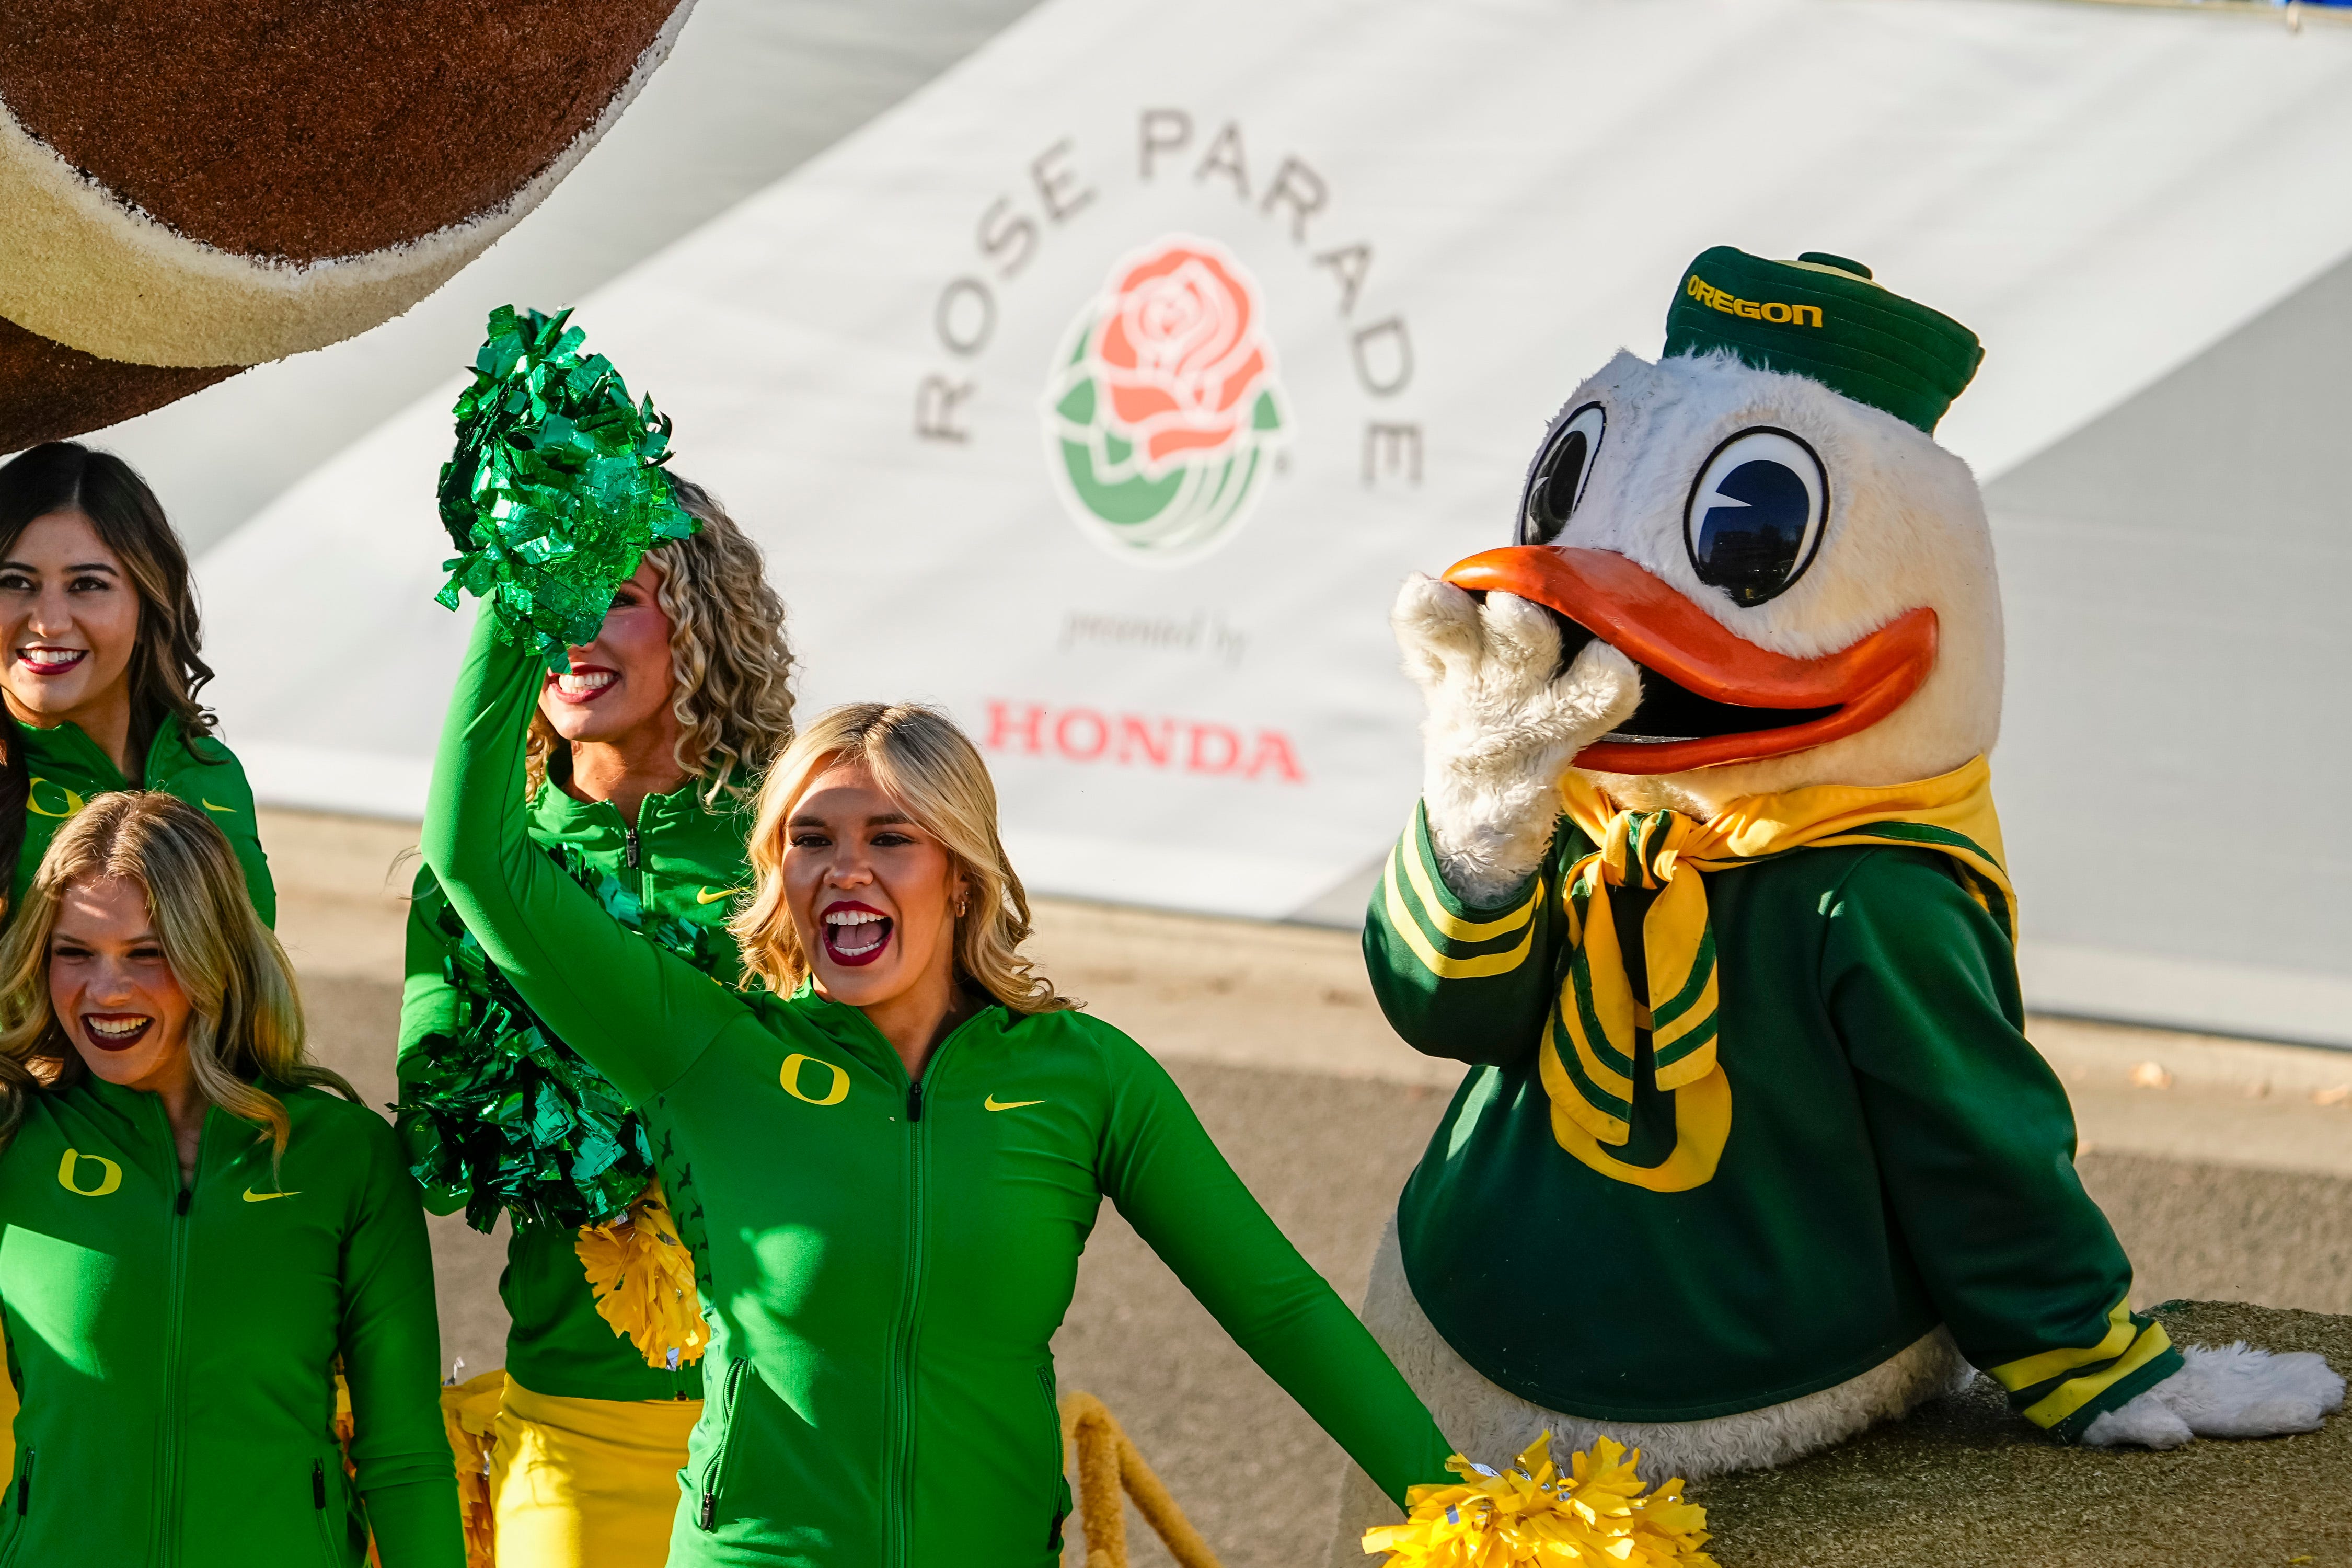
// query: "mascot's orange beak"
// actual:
[[1709, 695]]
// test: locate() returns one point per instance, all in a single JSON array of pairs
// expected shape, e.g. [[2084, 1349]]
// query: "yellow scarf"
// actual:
[[1591, 1084]]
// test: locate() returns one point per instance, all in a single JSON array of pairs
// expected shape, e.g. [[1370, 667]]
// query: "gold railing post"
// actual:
[[1109, 1464]]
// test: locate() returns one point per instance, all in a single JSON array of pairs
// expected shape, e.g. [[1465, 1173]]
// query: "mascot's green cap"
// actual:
[[1820, 316]]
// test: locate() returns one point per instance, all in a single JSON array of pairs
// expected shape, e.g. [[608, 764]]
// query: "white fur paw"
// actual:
[[2144, 1420], [1501, 727], [2231, 1391]]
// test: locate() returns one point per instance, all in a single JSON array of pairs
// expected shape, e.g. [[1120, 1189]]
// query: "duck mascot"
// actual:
[[1707, 886]]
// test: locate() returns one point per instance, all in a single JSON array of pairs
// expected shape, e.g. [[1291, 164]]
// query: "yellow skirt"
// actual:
[[584, 1483]]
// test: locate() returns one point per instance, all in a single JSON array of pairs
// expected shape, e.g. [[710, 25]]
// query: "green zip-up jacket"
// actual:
[[68, 768], [885, 1262], [1897, 1154], [174, 1347], [683, 859]]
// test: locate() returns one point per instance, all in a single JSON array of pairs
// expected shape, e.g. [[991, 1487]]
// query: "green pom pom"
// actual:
[[556, 489], [501, 1115]]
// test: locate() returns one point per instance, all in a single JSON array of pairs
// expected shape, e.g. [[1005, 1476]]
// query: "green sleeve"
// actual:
[[428, 1009], [1974, 1141], [634, 1013], [1473, 985], [1168, 1178], [242, 824], [259, 886], [390, 1344]]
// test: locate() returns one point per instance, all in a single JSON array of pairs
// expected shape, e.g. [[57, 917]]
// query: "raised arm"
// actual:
[[391, 1341], [1463, 925], [1170, 1181], [637, 1014]]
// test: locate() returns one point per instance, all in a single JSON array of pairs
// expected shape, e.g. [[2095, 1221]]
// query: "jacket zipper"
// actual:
[[319, 1504], [714, 1475], [167, 1516], [899, 1476], [633, 850]]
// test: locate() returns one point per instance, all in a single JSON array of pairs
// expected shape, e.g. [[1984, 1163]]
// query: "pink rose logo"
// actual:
[[1180, 351], [1164, 405]]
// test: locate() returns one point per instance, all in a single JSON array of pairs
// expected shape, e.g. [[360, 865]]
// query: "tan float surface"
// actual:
[[1965, 1482]]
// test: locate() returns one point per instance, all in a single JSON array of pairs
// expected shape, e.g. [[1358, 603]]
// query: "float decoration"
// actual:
[[1597, 1514], [194, 189], [556, 489]]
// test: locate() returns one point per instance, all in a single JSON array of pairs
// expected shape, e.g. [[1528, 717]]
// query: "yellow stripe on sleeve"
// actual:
[[2075, 1393], [2031, 1370], [1453, 927], [1401, 920]]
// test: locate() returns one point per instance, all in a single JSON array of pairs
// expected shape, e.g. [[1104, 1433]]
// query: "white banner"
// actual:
[[1103, 392]]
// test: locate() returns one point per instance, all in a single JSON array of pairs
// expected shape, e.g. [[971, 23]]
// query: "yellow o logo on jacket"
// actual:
[[791, 1078], [110, 1175], [74, 803]]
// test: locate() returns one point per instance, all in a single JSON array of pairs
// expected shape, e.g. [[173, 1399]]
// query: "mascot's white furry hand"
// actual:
[[2232, 1392], [1501, 729]]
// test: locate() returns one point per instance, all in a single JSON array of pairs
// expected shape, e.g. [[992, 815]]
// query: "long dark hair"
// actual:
[[166, 668]]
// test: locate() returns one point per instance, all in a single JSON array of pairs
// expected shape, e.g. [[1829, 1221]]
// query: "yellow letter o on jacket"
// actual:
[[110, 1175], [791, 1078]]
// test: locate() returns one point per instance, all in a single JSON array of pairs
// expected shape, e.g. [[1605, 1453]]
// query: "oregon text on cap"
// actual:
[[1707, 293]]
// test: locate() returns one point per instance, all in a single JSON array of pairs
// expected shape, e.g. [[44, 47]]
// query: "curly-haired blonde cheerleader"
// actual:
[[641, 762]]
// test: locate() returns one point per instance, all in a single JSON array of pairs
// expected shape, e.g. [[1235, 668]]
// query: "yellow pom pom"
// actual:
[[643, 1277], [1597, 1514]]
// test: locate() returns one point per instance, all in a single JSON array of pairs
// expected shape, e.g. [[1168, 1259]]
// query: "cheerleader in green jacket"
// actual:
[[194, 1233], [100, 669], [887, 1162], [101, 638], [640, 763]]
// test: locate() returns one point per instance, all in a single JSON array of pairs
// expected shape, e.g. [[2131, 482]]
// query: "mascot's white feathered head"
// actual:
[[1764, 524]]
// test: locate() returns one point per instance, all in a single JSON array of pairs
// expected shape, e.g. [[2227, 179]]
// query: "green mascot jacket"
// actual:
[[884, 1262], [175, 1347], [684, 860], [1897, 1156]]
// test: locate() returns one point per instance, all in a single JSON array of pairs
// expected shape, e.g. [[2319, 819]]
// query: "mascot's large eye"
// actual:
[[1558, 481], [1756, 515]]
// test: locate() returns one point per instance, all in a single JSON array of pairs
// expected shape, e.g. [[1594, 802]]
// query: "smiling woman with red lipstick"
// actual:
[[887, 1161], [198, 1227], [99, 640], [639, 766]]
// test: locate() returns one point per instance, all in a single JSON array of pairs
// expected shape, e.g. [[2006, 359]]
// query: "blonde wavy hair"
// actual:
[[731, 666], [244, 1015], [927, 765]]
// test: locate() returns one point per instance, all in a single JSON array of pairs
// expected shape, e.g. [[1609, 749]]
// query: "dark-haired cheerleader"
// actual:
[[103, 661]]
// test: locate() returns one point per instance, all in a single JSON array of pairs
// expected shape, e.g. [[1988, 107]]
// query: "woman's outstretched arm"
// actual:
[[1169, 1179], [637, 1014]]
